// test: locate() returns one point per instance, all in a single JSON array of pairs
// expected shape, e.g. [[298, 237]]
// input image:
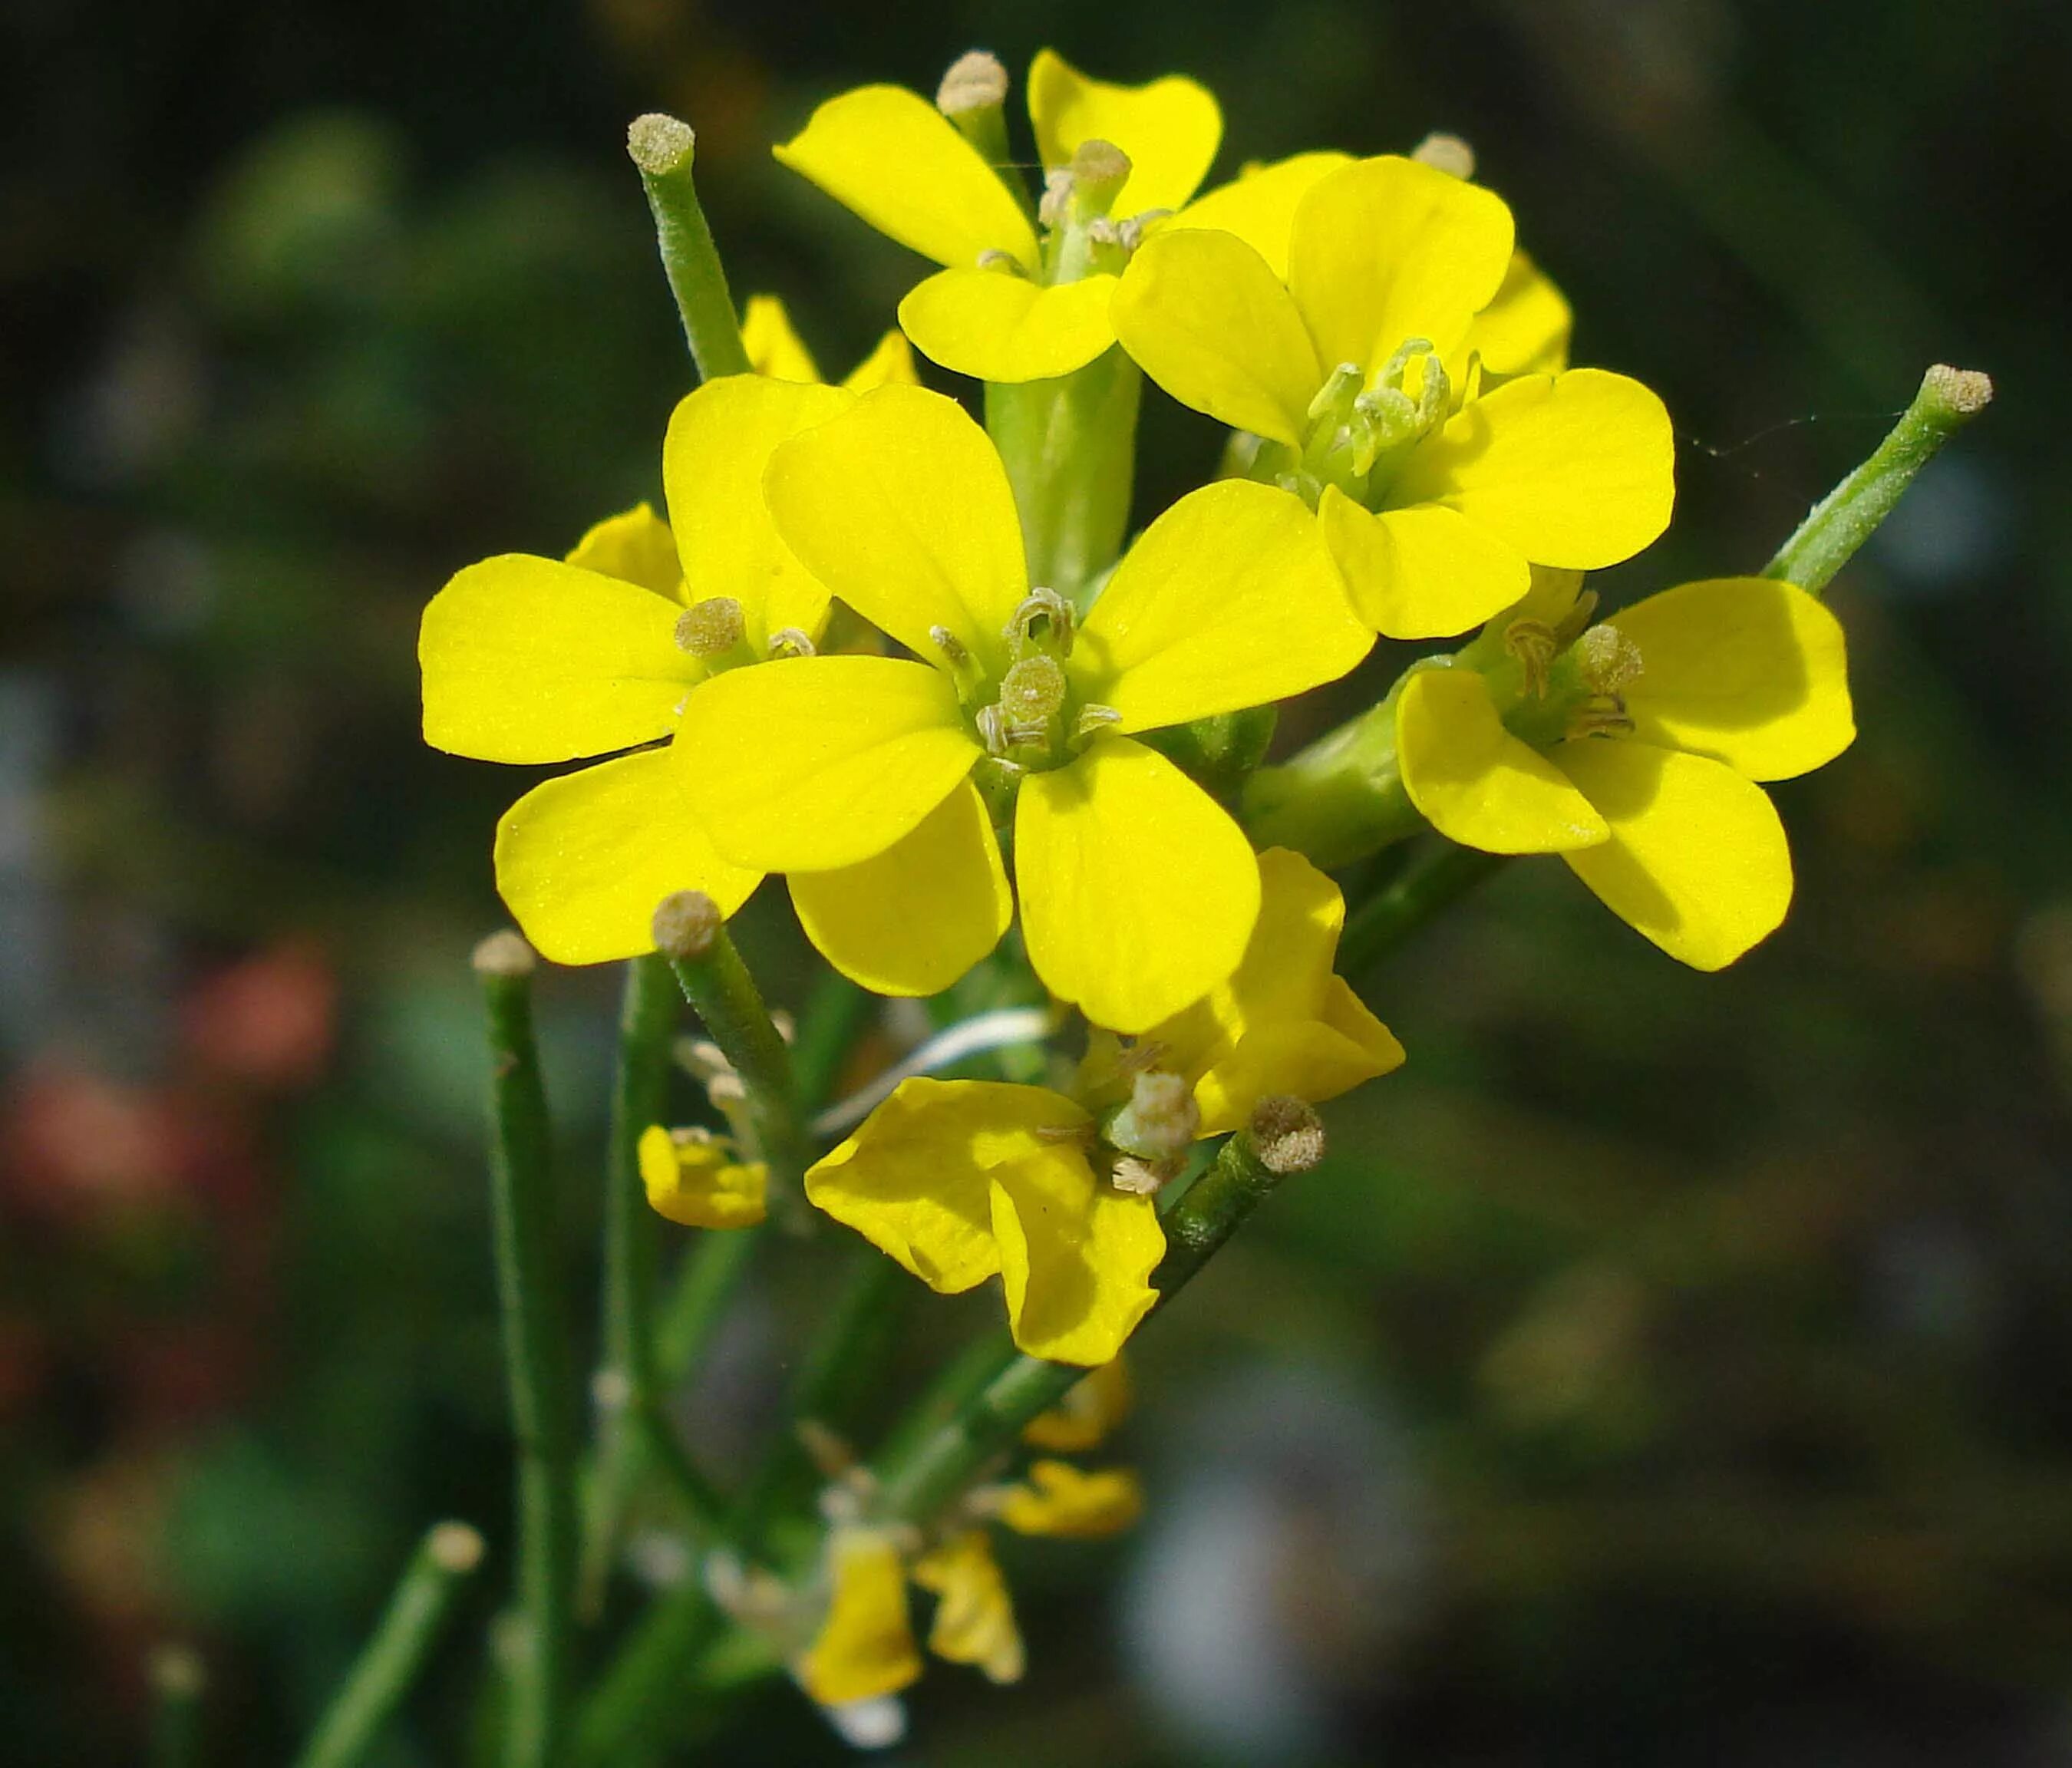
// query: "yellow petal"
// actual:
[[1138, 892], [529, 659], [865, 1648], [1228, 600], [636, 547], [1091, 1409], [974, 1615], [1203, 315], [1474, 782], [1169, 128], [1575, 470], [720, 442], [901, 507], [993, 324], [1311, 1061], [1697, 861], [582, 860], [692, 1181], [815, 763], [1421, 573], [915, 918], [1751, 672], [773, 347], [1063, 1500], [914, 1179], [890, 364], [1258, 204], [1387, 249], [898, 161], [1525, 329], [1076, 1256]]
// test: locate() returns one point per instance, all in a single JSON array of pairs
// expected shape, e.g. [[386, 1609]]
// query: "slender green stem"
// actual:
[[639, 1692], [710, 1272], [394, 1656], [1949, 399], [178, 1682], [535, 1355], [663, 148], [1438, 875], [623, 1391], [837, 1011]]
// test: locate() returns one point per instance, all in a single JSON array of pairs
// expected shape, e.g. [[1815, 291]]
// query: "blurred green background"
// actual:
[[1663, 1368]]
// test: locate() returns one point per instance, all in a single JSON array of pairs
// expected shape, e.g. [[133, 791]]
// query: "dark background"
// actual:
[[1663, 1368]]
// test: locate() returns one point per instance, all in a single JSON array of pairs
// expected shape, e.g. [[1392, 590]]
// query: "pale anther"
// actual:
[[951, 647], [788, 641]]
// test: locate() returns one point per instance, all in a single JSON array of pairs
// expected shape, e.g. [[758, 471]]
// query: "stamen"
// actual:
[[993, 258], [1131, 232], [1057, 194], [712, 627], [1135, 1178], [788, 641], [1094, 716], [951, 647], [1602, 717], [1533, 643], [1044, 620]]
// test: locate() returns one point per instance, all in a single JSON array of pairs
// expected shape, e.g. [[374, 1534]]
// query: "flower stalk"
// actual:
[[662, 149]]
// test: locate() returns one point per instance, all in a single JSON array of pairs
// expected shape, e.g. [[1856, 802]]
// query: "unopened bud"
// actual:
[[504, 954], [1445, 153], [1285, 1135], [658, 144], [686, 925], [975, 81], [456, 1548], [712, 627], [1161, 1119], [1609, 660]]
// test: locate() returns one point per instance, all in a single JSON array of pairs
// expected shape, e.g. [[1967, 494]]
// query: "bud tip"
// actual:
[[1964, 392], [456, 1548], [975, 81], [686, 925], [658, 144], [1286, 1135], [504, 954]]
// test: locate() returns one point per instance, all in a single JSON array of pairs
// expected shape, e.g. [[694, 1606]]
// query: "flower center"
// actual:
[[1032, 718], [1358, 436], [1567, 688]]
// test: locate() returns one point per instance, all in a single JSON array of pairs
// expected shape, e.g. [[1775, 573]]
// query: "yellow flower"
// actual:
[[1673, 711], [691, 1178], [1092, 1408], [1071, 1504], [974, 1614], [775, 348], [1010, 306], [962, 1180], [855, 774], [864, 1647], [530, 659], [1360, 366]]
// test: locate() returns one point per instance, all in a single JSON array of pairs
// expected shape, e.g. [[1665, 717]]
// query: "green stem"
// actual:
[[393, 1657], [1340, 798], [662, 148], [178, 1681], [837, 1011], [1438, 875], [536, 1354], [709, 1273], [1848, 515], [1070, 449]]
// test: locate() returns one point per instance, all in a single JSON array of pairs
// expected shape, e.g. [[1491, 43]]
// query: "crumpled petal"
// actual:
[[773, 346], [1525, 330], [1228, 600], [974, 1614], [1203, 314], [901, 507], [994, 324], [696, 1182], [1068, 1502], [1169, 128], [1138, 892], [720, 442], [529, 659], [919, 916], [1311, 1060], [890, 156], [1389, 249], [1258, 204], [1426, 572], [1091, 1408], [1749, 670], [889, 364], [811, 763], [582, 860], [914, 1179], [1477, 783], [634, 546], [1576, 469], [1076, 1256], [1697, 861], [865, 1648]]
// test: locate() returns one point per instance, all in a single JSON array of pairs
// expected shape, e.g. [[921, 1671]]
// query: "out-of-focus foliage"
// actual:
[[1663, 1365]]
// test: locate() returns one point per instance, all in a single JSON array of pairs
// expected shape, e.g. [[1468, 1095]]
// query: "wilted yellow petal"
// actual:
[[901, 507], [1063, 1500], [1091, 1409], [1169, 128], [974, 1615], [1749, 670], [815, 763], [1389, 249], [1203, 315], [635, 546], [1575, 470], [993, 324], [693, 1180], [1525, 329], [915, 918], [1138, 892], [1076, 1256], [774, 347], [898, 161], [865, 1648], [889, 364], [1474, 782], [913, 1180], [1424, 573], [582, 861], [529, 659], [1258, 204], [1697, 861]]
